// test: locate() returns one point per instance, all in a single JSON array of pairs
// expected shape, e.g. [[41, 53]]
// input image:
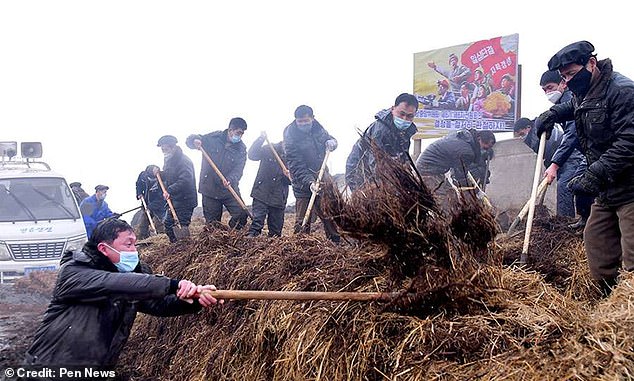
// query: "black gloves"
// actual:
[[587, 183], [545, 123]]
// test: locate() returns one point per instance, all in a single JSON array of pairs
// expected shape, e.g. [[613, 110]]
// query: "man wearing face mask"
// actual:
[[180, 182], [567, 161], [305, 144], [229, 153], [391, 131], [94, 209], [98, 292], [603, 110]]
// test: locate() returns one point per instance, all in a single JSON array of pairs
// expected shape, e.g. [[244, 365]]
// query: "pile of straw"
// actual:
[[472, 317]]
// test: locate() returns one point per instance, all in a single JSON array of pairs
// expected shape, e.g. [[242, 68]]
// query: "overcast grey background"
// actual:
[[98, 82]]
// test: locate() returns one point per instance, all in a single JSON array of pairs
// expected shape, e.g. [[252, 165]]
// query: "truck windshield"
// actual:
[[29, 199]]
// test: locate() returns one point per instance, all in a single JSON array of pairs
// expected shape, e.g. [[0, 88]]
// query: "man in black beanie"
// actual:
[[602, 107]]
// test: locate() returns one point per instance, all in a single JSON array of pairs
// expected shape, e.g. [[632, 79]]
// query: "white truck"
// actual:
[[39, 216]]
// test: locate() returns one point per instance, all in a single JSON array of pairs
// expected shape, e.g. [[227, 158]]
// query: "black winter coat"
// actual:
[[229, 157], [148, 186], [569, 149], [605, 128], [271, 185], [304, 154], [94, 306], [457, 151], [360, 163], [180, 180]]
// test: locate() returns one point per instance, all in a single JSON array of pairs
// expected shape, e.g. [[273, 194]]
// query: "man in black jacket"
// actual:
[[98, 292], [391, 132], [180, 180], [603, 110], [147, 187], [305, 144], [270, 189], [229, 153], [567, 162], [457, 152]]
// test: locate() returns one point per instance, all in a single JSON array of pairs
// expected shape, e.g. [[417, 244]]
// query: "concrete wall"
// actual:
[[512, 170]]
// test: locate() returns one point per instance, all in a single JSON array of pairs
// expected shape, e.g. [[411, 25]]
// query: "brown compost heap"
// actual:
[[465, 313]]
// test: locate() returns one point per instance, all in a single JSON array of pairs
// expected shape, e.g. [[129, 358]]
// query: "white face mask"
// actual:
[[554, 96]]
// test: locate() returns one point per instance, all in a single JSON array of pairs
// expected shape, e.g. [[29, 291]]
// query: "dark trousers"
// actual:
[[565, 197], [144, 225], [301, 205], [212, 209], [566, 173], [274, 218], [609, 241], [184, 213]]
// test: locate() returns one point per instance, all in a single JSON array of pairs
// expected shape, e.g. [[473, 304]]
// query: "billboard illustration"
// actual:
[[473, 85]]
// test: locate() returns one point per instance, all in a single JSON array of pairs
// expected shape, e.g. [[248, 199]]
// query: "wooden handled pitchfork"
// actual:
[[224, 181]]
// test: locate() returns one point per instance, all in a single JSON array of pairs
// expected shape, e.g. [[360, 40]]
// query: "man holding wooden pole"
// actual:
[[228, 152], [270, 189], [603, 110], [305, 144], [180, 188]]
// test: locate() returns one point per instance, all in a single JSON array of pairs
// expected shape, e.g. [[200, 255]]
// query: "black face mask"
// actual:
[[580, 83]]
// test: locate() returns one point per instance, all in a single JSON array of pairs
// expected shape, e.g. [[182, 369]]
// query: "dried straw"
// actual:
[[473, 318]]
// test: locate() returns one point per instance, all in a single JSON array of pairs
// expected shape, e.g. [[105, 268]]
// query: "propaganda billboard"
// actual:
[[473, 85]]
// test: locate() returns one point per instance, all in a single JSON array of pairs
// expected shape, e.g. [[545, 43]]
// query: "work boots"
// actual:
[[579, 225]]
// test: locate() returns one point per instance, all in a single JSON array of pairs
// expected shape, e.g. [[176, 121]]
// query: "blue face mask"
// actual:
[[235, 138], [401, 124], [128, 260]]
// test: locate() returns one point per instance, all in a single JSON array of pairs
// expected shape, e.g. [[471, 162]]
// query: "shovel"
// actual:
[[313, 196], [304, 295], [531, 207], [149, 217], [277, 157], [224, 181], [179, 231]]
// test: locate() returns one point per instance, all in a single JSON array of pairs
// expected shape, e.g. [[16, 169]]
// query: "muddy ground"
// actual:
[[21, 310]]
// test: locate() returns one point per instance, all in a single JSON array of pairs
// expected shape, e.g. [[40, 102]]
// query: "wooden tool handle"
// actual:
[[485, 198], [531, 208], [149, 216], [224, 181], [169, 201], [277, 157], [313, 196], [541, 191], [302, 295]]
